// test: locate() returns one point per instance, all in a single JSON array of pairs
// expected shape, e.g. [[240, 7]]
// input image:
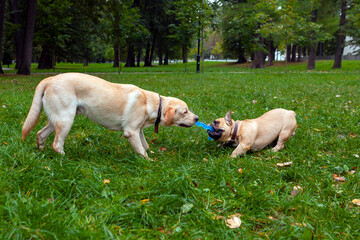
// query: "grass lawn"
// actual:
[[321, 66], [100, 189]]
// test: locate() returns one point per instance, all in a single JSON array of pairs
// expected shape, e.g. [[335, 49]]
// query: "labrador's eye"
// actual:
[[186, 111]]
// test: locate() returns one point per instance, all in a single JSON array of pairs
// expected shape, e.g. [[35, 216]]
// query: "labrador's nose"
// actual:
[[196, 118]]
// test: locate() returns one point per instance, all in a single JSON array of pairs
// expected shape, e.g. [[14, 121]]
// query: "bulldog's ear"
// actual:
[[228, 118], [169, 116]]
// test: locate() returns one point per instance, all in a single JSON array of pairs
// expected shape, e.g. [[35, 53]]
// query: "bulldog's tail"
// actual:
[[35, 109]]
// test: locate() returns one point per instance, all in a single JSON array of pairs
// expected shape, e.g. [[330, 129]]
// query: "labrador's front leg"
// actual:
[[143, 140], [136, 142]]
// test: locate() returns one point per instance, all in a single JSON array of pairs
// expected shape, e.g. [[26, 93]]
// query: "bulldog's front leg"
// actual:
[[241, 149]]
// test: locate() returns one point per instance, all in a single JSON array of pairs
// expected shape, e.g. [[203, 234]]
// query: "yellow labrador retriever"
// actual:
[[273, 127], [119, 107]]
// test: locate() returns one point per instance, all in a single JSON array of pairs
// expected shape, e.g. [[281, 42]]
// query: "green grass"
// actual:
[[48, 196], [321, 66]]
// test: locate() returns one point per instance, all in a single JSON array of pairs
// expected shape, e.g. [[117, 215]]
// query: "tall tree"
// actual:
[[52, 21], [312, 46], [340, 38], [2, 14], [19, 33], [26, 56]]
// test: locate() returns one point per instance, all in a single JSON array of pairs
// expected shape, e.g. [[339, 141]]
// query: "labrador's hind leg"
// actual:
[[43, 134]]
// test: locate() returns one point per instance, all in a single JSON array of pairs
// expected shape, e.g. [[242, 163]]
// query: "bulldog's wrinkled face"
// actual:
[[222, 128]]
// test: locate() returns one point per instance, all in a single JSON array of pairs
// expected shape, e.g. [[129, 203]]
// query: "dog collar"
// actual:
[[158, 116], [233, 136]]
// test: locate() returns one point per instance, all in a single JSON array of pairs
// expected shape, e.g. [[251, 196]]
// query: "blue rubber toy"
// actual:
[[206, 127]]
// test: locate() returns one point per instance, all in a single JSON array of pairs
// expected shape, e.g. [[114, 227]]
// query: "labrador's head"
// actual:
[[178, 114]]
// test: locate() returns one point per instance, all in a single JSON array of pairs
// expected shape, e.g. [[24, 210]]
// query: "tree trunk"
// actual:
[[53, 58], [2, 15], [299, 58], [160, 54], [45, 61], [184, 53], [116, 56], [147, 62], [321, 49], [312, 47], [288, 53], [166, 59], [340, 39], [259, 59], [130, 61], [241, 56], [152, 49], [25, 67], [19, 34], [138, 58], [271, 50], [293, 53]]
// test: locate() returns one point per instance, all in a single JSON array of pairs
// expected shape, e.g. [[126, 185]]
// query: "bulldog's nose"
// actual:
[[196, 118]]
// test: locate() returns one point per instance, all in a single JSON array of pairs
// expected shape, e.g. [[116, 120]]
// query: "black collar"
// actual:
[[233, 136], [158, 116]]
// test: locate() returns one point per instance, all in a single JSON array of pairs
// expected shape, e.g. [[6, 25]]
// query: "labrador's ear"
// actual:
[[169, 116], [228, 118]]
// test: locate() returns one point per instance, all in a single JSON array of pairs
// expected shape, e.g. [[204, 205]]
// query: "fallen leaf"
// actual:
[[205, 159], [338, 178], [356, 202], [145, 200], [186, 207], [106, 181], [352, 172], [338, 96], [296, 190], [3, 106], [162, 149], [355, 155], [352, 135], [240, 170], [254, 101], [233, 221], [319, 130], [285, 164]]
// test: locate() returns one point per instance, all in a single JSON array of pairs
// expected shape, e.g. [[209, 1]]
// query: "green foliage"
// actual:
[[353, 26], [191, 17], [293, 23]]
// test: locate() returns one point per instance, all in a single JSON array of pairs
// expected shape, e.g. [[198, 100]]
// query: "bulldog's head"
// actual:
[[222, 128]]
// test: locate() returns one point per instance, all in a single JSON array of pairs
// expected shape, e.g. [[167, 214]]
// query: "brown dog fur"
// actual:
[[255, 134]]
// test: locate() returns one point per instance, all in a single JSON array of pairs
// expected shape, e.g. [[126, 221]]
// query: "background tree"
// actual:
[[53, 18], [26, 54], [341, 35], [353, 28], [2, 14]]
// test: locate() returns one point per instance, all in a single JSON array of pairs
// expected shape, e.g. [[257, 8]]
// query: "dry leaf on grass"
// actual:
[[285, 164], [296, 190], [240, 170], [106, 181], [162, 149], [233, 221], [145, 200], [338, 178], [356, 202]]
